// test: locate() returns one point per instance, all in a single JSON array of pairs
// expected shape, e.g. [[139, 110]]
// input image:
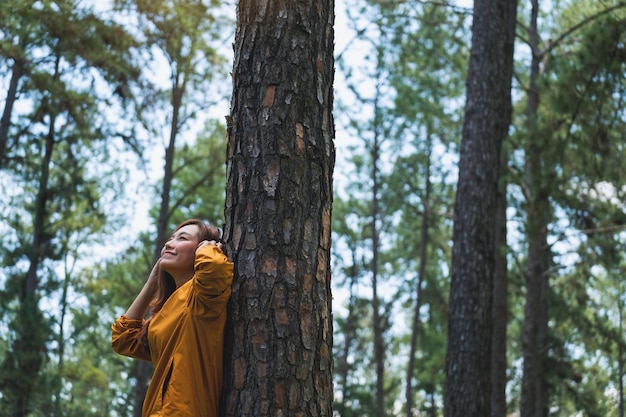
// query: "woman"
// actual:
[[187, 290]]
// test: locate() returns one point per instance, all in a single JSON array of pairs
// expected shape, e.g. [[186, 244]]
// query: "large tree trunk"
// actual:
[[278, 211], [487, 116]]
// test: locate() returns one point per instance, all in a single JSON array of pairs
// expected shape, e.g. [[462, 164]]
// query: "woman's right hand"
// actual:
[[137, 309], [153, 278]]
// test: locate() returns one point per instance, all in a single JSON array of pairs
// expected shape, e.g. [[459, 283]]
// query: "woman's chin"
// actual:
[[167, 266]]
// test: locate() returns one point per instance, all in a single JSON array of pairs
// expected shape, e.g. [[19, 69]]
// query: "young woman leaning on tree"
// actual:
[[187, 290]]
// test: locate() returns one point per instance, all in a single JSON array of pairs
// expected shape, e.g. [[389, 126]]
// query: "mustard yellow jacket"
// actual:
[[186, 342]]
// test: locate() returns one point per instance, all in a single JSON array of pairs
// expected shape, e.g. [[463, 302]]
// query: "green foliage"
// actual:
[[96, 380], [60, 158], [198, 187], [24, 358], [418, 57], [58, 53], [589, 93], [577, 136], [182, 39]]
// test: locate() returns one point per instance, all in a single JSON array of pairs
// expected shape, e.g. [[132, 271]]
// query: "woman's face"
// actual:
[[178, 254]]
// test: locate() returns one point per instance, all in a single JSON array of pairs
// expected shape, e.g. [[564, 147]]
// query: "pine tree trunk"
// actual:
[[620, 361], [29, 348], [143, 370], [533, 401], [11, 96], [500, 308], [415, 326], [278, 211], [500, 278], [487, 116], [349, 332], [377, 318]]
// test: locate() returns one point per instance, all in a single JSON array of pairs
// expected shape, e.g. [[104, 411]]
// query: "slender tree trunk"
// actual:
[[415, 327], [278, 211], [379, 326], [39, 222], [5, 121], [343, 368], [533, 382], [620, 358], [61, 341], [500, 277], [534, 401], [500, 307], [168, 169], [143, 371], [487, 117], [29, 346]]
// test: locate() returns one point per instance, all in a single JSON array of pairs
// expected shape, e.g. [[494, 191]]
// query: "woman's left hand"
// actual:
[[208, 242]]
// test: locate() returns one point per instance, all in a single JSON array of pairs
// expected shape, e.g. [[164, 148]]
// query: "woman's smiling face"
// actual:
[[178, 253]]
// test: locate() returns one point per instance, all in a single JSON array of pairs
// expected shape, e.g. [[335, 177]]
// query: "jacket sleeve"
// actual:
[[124, 340], [211, 282]]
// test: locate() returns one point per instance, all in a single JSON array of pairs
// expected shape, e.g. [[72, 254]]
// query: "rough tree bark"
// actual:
[[278, 211], [500, 312], [534, 389], [500, 275], [486, 123]]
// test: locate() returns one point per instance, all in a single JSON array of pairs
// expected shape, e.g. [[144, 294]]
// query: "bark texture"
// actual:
[[534, 401], [500, 314], [487, 118], [280, 159]]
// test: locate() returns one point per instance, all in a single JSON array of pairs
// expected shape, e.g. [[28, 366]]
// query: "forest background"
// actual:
[[113, 130]]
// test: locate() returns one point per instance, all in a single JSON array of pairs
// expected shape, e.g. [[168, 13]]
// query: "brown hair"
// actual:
[[166, 285]]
